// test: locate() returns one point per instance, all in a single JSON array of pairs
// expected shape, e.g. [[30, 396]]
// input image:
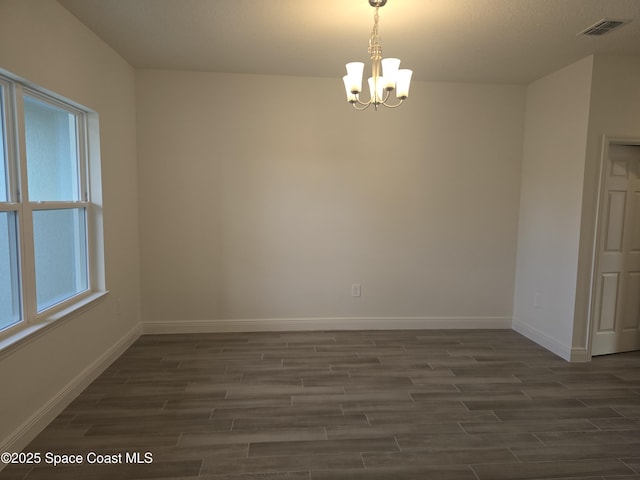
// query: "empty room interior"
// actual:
[[220, 259]]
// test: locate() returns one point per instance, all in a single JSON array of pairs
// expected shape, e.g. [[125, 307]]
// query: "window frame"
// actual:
[[32, 320], [11, 205]]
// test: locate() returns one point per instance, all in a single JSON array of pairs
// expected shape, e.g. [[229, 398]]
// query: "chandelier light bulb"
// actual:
[[390, 71], [402, 83], [354, 73]]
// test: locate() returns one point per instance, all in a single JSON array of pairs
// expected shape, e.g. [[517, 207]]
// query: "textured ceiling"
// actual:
[[507, 41]]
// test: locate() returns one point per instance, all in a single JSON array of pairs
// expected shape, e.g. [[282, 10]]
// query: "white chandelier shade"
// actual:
[[386, 74]]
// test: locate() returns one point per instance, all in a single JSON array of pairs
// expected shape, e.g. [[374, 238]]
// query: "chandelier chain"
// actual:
[[375, 47]]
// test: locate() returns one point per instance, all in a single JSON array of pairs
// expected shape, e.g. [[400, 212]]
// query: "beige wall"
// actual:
[[43, 43], [266, 197], [557, 116], [614, 112], [568, 114]]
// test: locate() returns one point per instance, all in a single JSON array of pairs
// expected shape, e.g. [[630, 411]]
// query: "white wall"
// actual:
[[43, 43], [555, 139], [614, 112], [262, 199]]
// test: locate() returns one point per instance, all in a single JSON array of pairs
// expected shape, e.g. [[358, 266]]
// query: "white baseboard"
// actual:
[[580, 355], [564, 351], [26, 432], [329, 323]]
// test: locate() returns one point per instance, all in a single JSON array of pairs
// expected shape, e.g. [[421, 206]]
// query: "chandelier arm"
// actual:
[[363, 106], [395, 105], [360, 102], [387, 93]]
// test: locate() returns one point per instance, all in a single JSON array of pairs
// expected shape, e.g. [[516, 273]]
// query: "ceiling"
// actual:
[[504, 41]]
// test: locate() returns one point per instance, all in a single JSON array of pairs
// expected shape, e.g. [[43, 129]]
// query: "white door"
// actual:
[[617, 292]]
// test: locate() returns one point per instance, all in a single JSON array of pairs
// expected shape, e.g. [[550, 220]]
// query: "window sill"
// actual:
[[19, 339]]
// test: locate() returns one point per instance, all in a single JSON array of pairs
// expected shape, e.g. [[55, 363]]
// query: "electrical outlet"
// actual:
[[355, 290], [537, 300]]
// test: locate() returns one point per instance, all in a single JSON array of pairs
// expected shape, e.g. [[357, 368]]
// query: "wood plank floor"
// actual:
[[392, 405]]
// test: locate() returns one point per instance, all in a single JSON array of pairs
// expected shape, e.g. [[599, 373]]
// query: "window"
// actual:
[[45, 206]]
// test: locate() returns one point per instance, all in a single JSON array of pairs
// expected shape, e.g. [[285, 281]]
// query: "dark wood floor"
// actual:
[[380, 405]]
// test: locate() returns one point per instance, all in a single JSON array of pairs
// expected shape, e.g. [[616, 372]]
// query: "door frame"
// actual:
[[607, 141]]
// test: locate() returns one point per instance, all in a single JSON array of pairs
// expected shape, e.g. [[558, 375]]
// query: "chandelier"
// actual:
[[385, 74]]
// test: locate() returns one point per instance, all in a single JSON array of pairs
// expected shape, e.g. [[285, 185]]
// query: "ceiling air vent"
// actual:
[[605, 25]]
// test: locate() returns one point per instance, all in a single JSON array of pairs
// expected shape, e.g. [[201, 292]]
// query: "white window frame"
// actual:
[[33, 321]]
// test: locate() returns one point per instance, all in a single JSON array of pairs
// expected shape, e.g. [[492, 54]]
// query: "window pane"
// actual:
[[3, 152], [60, 245], [52, 154], [9, 278]]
